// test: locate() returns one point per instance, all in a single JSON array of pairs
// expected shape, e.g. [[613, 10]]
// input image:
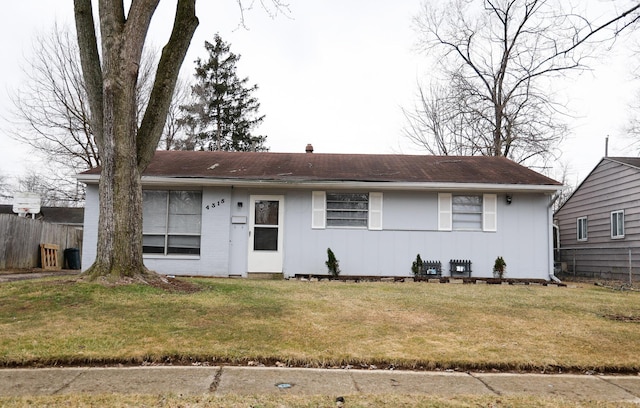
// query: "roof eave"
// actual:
[[152, 181]]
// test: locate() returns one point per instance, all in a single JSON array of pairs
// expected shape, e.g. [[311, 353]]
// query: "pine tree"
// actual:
[[223, 112]]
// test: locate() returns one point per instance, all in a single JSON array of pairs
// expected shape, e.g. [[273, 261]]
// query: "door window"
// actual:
[[265, 234]]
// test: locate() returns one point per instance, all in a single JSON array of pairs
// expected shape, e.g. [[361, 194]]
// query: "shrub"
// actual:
[[499, 267], [332, 263], [416, 266]]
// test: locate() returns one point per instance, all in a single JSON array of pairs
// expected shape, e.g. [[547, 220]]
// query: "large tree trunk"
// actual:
[[125, 149], [120, 226]]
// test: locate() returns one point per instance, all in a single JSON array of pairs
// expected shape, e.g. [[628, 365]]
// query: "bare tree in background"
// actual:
[[434, 123], [51, 109], [5, 188], [496, 58], [51, 112], [47, 187], [173, 136]]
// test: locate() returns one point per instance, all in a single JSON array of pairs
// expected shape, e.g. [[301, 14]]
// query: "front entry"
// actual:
[[265, 234]]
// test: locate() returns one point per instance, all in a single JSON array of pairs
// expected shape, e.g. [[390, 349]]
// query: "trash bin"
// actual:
[[72, 256]]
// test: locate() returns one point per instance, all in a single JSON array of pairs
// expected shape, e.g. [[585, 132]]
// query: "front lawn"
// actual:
[[407, 325]]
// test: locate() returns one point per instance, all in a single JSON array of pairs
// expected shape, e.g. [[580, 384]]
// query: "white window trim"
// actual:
[[490, 212], [445, 212], [586, 229], [611, 223], [375, 211], [319, 211]]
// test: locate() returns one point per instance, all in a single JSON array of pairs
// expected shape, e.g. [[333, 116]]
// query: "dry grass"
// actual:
[[409, 325], [289, 401]]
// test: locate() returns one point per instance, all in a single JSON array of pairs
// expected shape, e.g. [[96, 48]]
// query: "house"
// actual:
[[69, 216], [599, 225], [252, 213]]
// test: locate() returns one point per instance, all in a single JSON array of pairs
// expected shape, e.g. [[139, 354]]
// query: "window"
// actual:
[[582, 229], [349, 210], [467, 212], [171, 222], [617, 224], [477, 212]]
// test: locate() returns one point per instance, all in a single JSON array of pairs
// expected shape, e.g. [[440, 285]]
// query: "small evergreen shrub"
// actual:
[[416, 266], [332, 263], [499, 267]]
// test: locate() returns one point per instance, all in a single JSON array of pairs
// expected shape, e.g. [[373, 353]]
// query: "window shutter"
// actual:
[[318, 209], [490, 212], [444, 212], [375, 211]]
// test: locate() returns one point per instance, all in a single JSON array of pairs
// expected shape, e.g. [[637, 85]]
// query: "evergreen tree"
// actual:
[[223, 111]]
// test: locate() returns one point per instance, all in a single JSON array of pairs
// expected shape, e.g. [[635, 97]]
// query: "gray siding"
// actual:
[[410, 222], [611, 186], [522, 239]]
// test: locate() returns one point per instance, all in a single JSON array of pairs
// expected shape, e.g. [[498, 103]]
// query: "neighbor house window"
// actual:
[[582, 229], [617, 224], [346, 209], [171, 222]]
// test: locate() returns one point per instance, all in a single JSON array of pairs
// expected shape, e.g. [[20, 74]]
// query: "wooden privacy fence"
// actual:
[[20, 240]]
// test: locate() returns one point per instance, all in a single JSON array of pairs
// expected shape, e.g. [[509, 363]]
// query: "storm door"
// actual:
[[265, 234]]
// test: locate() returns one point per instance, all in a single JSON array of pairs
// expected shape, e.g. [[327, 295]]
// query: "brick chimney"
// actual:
[[309, 148]]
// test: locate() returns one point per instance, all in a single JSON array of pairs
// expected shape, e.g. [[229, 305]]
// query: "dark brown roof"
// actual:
[[302, 167]]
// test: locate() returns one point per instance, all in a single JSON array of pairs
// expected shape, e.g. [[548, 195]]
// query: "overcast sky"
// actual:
[[333, 73]]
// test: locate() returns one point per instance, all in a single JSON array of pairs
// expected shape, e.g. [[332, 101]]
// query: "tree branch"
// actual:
[[90, 61], [173, 54]]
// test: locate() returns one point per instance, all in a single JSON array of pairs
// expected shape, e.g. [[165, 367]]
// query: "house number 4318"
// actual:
[[214, 204]]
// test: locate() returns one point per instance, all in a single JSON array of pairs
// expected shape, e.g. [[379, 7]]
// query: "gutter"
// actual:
[[337, 184], [552, 275]]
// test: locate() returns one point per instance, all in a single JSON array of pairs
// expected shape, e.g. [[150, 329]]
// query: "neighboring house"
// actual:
[[251, 213], [599, 224], [69, 216]]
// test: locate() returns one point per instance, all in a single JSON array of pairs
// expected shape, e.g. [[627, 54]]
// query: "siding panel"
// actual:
[[611, 186]]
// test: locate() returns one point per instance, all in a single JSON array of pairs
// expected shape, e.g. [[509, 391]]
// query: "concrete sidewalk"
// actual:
[[300, 381]]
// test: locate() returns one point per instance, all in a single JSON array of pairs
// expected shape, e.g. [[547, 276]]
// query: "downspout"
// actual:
[[552, 275]]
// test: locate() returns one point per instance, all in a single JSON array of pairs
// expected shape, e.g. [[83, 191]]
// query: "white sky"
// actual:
[[333, 73]]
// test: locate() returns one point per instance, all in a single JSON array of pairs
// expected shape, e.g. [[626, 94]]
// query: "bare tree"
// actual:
[[125, 147], [174, 137], [433, 123], [496, 58], [5, 188], [51, 112], [47, 186]]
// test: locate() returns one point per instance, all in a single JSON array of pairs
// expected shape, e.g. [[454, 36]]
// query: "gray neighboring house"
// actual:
[[253, 214], [599, 228]]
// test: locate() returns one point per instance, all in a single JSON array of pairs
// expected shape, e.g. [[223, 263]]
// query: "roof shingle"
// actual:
[[341, 167]]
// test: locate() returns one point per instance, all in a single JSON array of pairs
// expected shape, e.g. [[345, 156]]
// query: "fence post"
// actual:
[[630, 270]]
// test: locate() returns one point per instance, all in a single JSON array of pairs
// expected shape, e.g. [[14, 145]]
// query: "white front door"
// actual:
[[265, 233]]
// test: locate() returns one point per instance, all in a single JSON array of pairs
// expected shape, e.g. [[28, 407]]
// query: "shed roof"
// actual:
[[313, 167]]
